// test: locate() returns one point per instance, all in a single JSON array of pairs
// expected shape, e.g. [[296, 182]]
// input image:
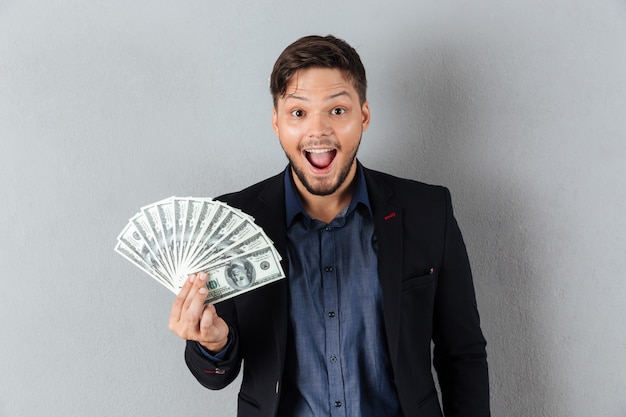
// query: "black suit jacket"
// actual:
[[428, 294]]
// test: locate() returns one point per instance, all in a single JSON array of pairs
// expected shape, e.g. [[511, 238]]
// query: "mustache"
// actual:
[[319, 143]]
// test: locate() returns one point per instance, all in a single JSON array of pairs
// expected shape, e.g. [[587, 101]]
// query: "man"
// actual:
[[376, 269]]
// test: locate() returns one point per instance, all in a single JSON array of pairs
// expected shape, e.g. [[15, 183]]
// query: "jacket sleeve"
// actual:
[[460, 357], [211, 374]]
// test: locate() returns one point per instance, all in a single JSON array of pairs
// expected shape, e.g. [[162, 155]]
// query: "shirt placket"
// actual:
[[331, 321]]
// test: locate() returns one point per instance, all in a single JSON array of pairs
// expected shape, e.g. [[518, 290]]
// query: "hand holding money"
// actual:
[[192, 319]]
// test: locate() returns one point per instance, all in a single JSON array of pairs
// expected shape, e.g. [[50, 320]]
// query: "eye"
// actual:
[[338, 111], [297, 113]]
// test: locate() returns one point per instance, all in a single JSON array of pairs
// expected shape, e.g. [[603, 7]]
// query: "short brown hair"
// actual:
[[317, 52]]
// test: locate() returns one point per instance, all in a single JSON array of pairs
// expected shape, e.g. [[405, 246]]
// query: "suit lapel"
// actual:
[[388, 221], [270, 215]]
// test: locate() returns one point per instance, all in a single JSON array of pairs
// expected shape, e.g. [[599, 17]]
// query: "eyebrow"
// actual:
[[331, 97]]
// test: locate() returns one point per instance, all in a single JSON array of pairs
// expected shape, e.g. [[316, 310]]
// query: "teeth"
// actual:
[[318, 150]]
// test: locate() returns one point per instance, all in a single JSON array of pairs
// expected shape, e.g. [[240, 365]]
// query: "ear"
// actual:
[[365, 116], [275, 120]]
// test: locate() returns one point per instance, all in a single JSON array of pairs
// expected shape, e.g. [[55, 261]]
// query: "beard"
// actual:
[[329, 186]]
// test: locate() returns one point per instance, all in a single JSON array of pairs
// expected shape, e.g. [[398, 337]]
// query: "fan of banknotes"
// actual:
[[175, 237]]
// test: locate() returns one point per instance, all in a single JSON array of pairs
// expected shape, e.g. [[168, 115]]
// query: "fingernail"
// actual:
[[192, 277], [203, 290], [202, 276]]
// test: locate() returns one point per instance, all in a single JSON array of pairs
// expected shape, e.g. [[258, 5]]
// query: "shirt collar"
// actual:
[[293, 202]]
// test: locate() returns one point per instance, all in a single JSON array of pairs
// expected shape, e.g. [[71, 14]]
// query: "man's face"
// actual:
[[319, 122]]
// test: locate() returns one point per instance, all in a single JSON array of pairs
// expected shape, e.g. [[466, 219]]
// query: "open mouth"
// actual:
[[320, 158]]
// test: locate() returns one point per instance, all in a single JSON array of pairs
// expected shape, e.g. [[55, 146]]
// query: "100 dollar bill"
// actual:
[[175, 237], [243, 273]]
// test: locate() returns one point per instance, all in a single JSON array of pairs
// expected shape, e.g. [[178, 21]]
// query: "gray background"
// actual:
[[105, 106]]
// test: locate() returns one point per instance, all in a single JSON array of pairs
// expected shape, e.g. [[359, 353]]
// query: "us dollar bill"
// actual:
[[177, 236], [180, 207], [139, 262], [224, 239], [160, 218], [149, 245], [129, 245], [206, 237], [255, 242], [243, 273]]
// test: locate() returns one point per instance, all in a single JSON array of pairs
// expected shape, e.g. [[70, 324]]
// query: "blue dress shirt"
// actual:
[[337, 360]]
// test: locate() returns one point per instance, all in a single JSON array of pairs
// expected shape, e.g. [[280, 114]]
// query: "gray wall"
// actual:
[[518, 106]]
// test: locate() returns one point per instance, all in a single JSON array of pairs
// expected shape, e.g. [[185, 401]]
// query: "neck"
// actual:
[[326, 207]]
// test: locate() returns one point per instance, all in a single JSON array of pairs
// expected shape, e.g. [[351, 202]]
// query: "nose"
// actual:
[[319, 125]]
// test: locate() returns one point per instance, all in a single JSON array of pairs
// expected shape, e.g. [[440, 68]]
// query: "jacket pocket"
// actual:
[[419, 281]]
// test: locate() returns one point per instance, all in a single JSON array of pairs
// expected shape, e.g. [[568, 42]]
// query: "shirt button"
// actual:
[[327, 229], [328, 269], [337, 403], [333, 359], [331, 314]]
